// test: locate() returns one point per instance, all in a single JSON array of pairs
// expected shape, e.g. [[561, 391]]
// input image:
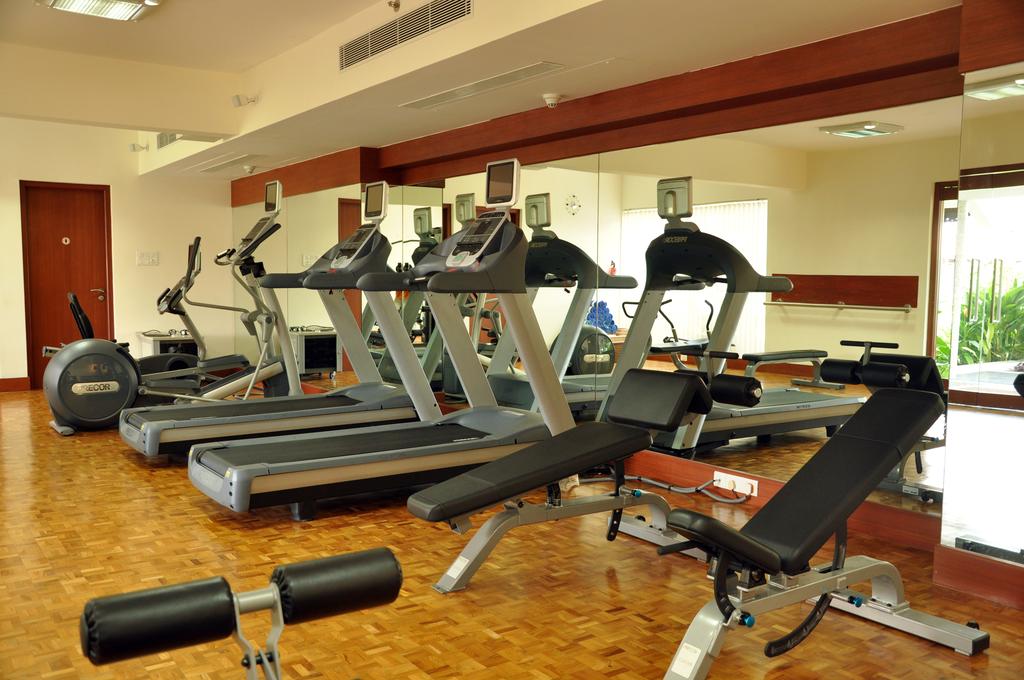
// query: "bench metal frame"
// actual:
[[886, 605], [518, 512]]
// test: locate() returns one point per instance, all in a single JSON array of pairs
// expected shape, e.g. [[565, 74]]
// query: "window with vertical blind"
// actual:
[[744, 224]]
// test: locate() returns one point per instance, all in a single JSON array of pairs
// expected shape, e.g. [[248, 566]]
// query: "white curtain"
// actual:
[[744, 224]]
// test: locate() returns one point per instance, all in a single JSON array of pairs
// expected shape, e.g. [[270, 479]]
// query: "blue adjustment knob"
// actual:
[[747, 620], [637, 493], [856, 600]]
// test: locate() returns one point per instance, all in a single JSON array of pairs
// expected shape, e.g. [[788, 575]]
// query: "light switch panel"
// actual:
[[147, 258]]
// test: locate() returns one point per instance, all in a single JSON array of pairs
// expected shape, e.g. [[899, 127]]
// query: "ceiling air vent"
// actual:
[[537, 70], [419, 21]]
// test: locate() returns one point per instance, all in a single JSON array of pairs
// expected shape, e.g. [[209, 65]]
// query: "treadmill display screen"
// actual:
[[271, 196], [500, 182], [374, 200]]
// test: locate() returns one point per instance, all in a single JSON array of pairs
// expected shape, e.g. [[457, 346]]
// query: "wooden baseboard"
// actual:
[[14, 384], [979, 575], [905, 528]]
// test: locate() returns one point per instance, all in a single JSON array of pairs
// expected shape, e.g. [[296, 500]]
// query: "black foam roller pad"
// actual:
[[336, 585], [878, 374], [736, 389], [157, 620], [841, 371], [1018, 384]]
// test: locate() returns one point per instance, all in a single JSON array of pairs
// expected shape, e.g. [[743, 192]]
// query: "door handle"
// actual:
[[101, 292], [996, 314], [972, 283]]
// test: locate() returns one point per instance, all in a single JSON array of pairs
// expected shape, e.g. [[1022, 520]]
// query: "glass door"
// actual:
[[982, 343]]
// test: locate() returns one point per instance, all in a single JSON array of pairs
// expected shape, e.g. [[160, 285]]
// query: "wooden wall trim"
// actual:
[[915, 45], [14, 384], [900, 527], [883, 291], [979, 575], [350, 166], [991, 34], [920, 87]]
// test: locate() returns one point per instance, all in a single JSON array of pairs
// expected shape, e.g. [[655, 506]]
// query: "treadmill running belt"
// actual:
[[248, 407], [220, 460]]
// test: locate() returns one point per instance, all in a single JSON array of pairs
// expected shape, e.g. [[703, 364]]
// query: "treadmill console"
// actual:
[[476, 238], [356, 245]]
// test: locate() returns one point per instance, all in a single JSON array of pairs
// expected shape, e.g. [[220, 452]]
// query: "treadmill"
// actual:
[[488, 256], [684, 258], [174, 429], [554, 263]]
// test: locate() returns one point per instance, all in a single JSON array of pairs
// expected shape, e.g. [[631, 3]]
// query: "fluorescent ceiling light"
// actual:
[[991, 90], [865, 128], [119, 10]]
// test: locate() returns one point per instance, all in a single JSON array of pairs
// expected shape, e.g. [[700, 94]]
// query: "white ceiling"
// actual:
[[606, 46], [927, 120], [214, 35]]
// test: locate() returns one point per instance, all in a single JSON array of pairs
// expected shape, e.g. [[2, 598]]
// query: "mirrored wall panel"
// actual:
[[981, 337], [837, 218]]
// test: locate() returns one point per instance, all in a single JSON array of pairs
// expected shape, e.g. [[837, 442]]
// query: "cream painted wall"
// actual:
[[151, 214], [990, 140], [864, 211]]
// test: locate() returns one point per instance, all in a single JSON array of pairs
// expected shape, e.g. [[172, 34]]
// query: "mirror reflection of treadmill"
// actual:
[[302, 469], [174, 429]]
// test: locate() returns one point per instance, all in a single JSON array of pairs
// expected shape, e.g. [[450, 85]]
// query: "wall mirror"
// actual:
[[981, 334], [848, 214], [559, 207]]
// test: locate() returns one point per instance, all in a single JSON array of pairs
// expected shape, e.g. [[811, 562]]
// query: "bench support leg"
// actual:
[[885, 605], [516, 514]]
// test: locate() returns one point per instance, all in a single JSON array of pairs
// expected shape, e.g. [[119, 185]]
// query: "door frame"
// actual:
[[996, 176], [23, 186], [944, 191]]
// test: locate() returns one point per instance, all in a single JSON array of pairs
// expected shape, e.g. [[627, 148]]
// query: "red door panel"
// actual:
[[66, 249]]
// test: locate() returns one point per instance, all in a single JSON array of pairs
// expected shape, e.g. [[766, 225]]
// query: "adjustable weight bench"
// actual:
[[765, 565], [645, 399], [157, 620]]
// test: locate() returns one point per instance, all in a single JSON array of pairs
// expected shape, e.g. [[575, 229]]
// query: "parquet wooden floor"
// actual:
[[86, 516]]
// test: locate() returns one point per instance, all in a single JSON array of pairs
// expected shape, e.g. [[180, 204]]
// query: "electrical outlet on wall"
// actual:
[[308, 260], [147, 258]]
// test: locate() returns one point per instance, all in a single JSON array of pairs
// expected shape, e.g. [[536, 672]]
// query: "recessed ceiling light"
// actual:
[[119, 10], [866, 128], [991, 90]]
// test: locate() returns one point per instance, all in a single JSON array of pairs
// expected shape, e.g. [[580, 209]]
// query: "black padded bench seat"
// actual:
[[785, 355], [644, 399], [791, 527], [583, 447]]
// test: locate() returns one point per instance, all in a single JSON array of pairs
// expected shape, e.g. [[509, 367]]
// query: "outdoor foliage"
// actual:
[[982, 340]]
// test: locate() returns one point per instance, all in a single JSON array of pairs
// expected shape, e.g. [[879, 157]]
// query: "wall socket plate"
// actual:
[[147, 258], [308, 260], [741, 485]]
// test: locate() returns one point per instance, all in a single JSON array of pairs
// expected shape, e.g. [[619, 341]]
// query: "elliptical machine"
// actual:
[[90, 381]]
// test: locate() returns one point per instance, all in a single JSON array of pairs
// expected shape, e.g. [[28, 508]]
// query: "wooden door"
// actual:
[[65, 248], [349, 219]]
